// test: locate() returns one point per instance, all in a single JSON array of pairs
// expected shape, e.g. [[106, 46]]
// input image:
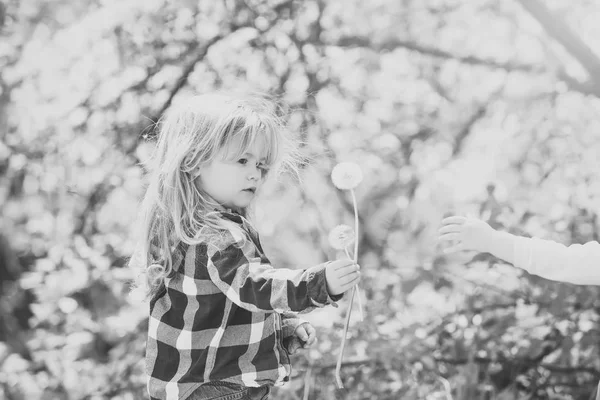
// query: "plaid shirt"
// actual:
[[224, 316]]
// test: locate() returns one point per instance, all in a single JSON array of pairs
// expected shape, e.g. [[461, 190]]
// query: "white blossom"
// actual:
[[346, 175], [341, 237]]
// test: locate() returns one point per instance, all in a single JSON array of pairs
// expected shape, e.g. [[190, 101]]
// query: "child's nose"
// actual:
[[254, 174]]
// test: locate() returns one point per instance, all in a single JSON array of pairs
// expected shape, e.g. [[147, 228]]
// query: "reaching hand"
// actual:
[[467, 233], [341, 275]]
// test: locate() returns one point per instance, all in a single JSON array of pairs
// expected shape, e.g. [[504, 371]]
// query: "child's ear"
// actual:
[[198, 172]]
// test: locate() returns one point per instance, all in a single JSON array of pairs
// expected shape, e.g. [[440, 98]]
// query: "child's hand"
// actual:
[[467, 233], [341, 275], [304, 337]]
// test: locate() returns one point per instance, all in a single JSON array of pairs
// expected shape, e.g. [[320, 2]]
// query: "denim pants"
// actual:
[[229, 391]]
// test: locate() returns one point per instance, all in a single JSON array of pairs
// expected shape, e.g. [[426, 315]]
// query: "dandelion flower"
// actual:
[[341, 237], [346, 175]]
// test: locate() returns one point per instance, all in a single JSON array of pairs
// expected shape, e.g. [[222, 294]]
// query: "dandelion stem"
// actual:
[[307, 380], [360, 307], [356, 236], [348, 254], [338, 379]]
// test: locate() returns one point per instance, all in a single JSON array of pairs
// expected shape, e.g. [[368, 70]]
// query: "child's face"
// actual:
[[234, 183]]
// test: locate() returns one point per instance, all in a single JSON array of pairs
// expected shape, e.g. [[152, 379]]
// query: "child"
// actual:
[[220, 315], [577, 263]]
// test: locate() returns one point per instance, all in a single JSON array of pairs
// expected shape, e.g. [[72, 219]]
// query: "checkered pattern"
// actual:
[[224, 315]]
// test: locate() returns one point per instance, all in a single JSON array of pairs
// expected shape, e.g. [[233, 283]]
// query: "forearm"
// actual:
[[258, 287], [501, 245], [280, 289], [577, 263]]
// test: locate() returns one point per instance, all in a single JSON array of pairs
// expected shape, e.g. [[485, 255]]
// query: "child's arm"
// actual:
[[578, 264], [258, 287]]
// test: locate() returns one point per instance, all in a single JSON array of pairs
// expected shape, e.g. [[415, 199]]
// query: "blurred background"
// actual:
[[487, 107]]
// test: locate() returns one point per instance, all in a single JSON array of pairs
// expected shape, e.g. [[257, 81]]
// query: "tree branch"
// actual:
[[463, 134], [393, 43], [198, 56], [187, 71], [555, 26]]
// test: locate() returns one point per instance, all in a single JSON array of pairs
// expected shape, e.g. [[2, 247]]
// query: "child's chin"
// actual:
[[247, 198], [243, 203]]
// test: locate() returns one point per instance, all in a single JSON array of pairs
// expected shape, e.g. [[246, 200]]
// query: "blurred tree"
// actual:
[[439, 101]]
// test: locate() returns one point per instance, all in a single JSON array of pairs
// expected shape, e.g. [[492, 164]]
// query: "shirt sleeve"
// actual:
[[256, 286], [577, 263]]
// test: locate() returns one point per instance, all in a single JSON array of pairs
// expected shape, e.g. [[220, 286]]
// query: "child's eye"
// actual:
[[243, 161]]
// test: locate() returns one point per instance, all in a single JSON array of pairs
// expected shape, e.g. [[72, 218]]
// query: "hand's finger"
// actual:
[[351, 266], [345, 280], [349, 284], [310, 343], [347, 270], [294, 346], [341, 264], [312, 334], [450, 228], [454, 220], [301, 332], [454, 249], [342, 285], [449, 236]]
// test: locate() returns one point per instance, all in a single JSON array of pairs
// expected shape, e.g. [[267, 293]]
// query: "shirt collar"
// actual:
[[229, 214]]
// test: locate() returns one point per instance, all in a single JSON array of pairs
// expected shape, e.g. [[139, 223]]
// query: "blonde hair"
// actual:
[[174, 209]]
